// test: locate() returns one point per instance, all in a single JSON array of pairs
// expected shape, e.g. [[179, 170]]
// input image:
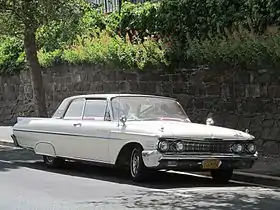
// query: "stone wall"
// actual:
[[239, 100]]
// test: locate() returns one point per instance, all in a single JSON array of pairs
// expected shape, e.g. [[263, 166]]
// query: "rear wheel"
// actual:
[[53, 162], [138, 170], [222, 176]]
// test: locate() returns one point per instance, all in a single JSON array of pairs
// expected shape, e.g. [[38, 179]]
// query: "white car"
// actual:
[[140, 132]]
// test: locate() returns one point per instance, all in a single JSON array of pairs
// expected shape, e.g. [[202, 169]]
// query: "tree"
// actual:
[[23, 18]]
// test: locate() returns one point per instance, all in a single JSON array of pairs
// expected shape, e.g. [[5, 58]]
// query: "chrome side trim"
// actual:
[[64, 134]]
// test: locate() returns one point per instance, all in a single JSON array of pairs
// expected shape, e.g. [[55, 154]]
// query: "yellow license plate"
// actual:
[[211, 164]]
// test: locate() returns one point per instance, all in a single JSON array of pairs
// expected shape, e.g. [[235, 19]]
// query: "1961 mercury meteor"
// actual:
[[140, 132]]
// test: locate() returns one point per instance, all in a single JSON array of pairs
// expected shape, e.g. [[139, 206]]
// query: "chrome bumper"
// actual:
[[155, 159], [15, 140]]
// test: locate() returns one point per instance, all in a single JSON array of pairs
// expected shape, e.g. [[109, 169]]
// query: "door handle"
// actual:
[[77, 124]]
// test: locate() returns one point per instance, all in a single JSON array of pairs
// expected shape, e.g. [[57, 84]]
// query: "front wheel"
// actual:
[[138, 170], [53, 162], [222, 176]]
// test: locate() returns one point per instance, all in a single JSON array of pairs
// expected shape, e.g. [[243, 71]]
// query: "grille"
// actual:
[[206, 147]]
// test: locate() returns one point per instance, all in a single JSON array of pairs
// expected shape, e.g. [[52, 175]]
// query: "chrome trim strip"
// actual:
[[205, 140], [207, 157], [65, 134]]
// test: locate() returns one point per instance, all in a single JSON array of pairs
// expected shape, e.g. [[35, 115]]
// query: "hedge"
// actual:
[[213, 32]]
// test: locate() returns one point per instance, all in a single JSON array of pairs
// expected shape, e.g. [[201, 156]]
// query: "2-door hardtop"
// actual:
[[141, 132]]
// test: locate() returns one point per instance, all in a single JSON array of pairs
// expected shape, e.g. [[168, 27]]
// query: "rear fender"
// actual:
[[45, 148]]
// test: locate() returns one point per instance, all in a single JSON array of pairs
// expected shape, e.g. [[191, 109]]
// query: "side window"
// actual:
[[75, 110], [95, 110]]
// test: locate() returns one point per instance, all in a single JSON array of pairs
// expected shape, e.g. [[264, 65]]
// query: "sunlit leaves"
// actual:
[[29, 14]]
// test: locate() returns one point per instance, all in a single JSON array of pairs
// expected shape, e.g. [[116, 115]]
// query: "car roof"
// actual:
[[113, 95], [65, 103]]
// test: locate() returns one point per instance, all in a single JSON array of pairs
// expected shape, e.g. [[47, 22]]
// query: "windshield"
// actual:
[[147, 108]]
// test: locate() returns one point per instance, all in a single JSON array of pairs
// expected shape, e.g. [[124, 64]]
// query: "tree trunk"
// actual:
[[36, 74]]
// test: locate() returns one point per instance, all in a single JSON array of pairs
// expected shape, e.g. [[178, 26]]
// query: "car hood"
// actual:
[[177, 129]]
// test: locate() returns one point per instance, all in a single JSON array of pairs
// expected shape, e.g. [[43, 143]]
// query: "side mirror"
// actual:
[[209, 119], [123, 120]]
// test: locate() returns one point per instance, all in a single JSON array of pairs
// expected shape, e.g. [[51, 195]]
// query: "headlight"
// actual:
[[179, 146], [237, 148], [163, 146], [251, 148]]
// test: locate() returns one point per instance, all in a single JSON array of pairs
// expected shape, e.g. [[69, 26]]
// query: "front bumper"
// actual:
[[15, 140], [193, 162]]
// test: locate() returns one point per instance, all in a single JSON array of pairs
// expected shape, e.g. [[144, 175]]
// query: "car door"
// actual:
[[95, 130], [67, 130], [84, 130]]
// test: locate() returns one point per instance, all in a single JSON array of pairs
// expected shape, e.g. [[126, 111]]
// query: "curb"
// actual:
[[255, 178]]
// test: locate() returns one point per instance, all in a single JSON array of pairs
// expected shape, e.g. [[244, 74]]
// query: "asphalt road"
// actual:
[[25, 183]]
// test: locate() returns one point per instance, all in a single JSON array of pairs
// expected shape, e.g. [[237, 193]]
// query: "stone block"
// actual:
[[271, 147], [268, 123], [244, 123], [192, 90], [237, 90], [243, 77], [264, 78], [131, 76], [263, 90], [252, 91], [149, 77], [231, 121], [256, 121], [274, 91], [213, 89], [198, 103], [266, 133], [134, 87], [259, 143], [167, 88], [147, 87], [165, 78], [179, 87], [275, 134]]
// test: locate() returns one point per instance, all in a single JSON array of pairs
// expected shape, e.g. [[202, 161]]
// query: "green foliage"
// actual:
[[49, 58], [213, 32], [178, 20], [140, 17], [11, 55], [107, 50], [21, 15], [56, 35], [59, 34], [244, 50]]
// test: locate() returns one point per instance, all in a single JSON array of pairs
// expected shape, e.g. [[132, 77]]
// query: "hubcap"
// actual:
[[135, 162]]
